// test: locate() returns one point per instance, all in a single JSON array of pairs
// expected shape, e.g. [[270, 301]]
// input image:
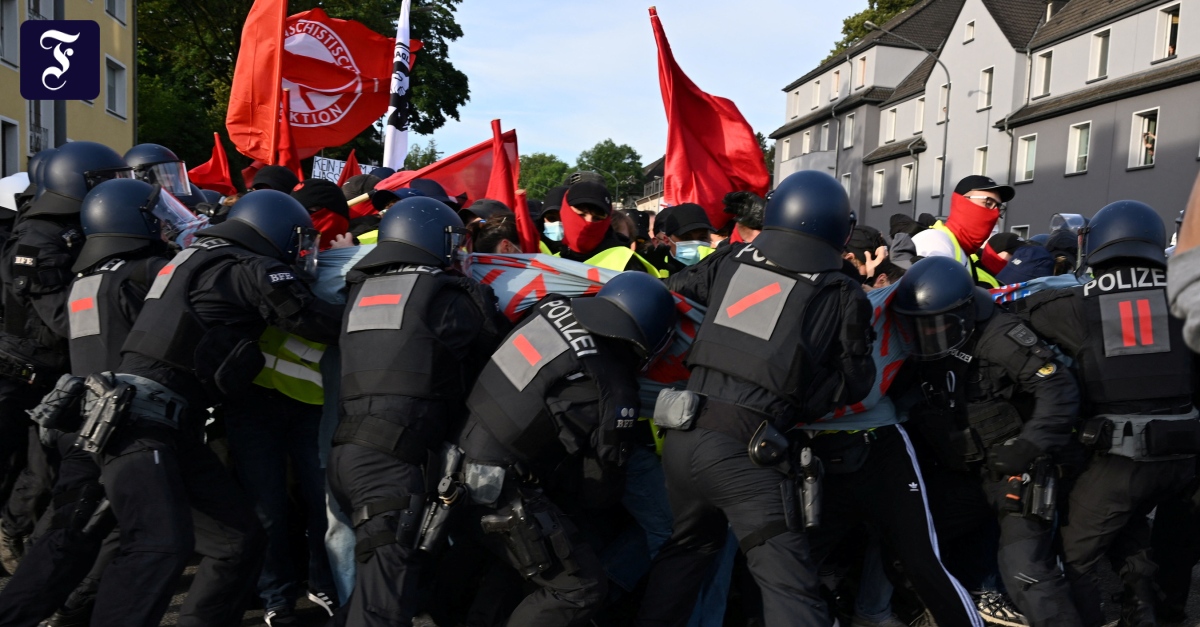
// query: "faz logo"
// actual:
[[60, 60], [326, 97]]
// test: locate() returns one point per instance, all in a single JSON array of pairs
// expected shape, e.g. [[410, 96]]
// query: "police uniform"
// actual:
[[545, 435], [1136, 374], [779, 346], [193, 344], [413, 339]]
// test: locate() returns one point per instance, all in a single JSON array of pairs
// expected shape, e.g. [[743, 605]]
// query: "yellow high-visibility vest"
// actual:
[[617, 258], [293, 366], [370, 237], [972, 261]]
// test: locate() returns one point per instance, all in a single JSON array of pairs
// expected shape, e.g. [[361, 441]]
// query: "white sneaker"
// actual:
[[998, 609], [323, 600]]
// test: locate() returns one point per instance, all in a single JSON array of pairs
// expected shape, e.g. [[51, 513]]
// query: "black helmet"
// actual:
[[73, 170], [271, 223], [806, 223], [417, 230], [158, 165], [1125, 229], [937, 295], [35, 168], [118, 217], [632, 306], [211, 196], [433, 189]]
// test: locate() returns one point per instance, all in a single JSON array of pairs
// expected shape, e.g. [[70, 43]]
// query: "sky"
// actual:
[[568, 74]]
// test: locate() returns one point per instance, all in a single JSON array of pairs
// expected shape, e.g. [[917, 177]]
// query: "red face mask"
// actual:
[[970, 223], [580, 235], [330, 225]]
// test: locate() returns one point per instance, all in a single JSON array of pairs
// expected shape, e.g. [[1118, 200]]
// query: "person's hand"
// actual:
[[345, 240], [873, 261]]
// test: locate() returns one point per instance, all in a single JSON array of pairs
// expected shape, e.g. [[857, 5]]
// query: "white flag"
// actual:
[[395, 126]]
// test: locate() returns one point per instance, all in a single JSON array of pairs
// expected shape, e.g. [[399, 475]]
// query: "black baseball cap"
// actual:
[[275, 177], [317, 194], [686, 217], [591, 195], [382, 198], [977, 183]]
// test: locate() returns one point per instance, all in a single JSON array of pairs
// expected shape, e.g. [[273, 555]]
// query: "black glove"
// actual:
[[613, 440], [1014, 457]]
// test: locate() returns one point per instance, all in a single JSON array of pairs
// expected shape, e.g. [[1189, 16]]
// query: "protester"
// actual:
[[587, 231], [977, 204], [1027, 263], [999, 250], [275, 177], [497, 234], [328, 209]]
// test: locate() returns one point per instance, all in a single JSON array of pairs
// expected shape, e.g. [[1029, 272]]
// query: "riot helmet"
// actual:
[[158, 165], [274, 224], [211, 196], [806, 223], [634, 307], [121, 216], [1126, 229], [73, 170], [433, 189], [36, 172], [417, 230], [936, 300]]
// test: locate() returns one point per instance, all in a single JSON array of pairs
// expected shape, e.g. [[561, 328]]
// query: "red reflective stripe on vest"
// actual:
[[83, 304], [754, 298], [380, 299], [527, 350]]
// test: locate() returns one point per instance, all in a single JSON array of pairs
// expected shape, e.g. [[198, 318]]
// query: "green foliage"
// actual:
[[621, 166], [420, 157], [855, 26], [540, 172], [768, 153]]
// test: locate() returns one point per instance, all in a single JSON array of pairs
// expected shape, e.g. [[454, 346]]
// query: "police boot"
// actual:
[[1137, 604]]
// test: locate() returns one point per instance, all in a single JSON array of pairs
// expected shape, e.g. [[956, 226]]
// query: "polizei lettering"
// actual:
[[559, 313], [1127, 279]]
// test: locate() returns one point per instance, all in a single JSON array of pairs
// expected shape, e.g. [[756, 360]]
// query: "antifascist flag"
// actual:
[[395, 128], [254, 95], [350, 169], [214, 173], [711, 149], [288, 157]]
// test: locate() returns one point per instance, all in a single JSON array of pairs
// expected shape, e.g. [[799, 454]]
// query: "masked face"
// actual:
[[579, 233], [554, 231], [688, 253]]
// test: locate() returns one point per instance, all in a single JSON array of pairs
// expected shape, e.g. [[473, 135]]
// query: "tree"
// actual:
[[418, 158], [187, 50], [768, 153], [620, 165], [540, 172], [855, 28]]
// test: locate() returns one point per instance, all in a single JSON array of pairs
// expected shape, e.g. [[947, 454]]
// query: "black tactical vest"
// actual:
[[754, 328], [1133, 350], [98, 326], [509, 398]]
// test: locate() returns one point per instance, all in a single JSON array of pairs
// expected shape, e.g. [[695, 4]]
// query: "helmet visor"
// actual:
[[172, 175], [940, 334], [96, 177], [456, 238], [308, 242]]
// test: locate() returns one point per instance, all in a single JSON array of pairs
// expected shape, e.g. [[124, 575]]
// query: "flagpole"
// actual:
[[277, 80]]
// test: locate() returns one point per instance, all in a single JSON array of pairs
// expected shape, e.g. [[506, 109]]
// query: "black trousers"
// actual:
[[15, 398], [172, 496], [888, 490], [1176, 545], [1107, 517], [31, 494], [712, 485], [385, 583]]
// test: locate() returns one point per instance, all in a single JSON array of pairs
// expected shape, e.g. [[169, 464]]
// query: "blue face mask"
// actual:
[[688, 253], [554, 231]]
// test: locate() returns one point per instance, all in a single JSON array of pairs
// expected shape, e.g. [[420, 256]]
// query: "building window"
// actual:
[[846, 182], [889, 125], [10, 141], [980, 161], [943, 103], [9, 27], [824, 137], [36, 11], [919, 122], [1026, 157], [837, 85], [1145, 136], [39, 130], [115, 8], [1099, 55], [848, 132], [795, 104], [1168, 32], [787, 150], [969, 32], [1045, 63], [806, 143], [938, 167], [862, 71], [1021, 231], [906, 181], [985, 88], [816, 94], [1078, 145], [877, 188], [115, 82]]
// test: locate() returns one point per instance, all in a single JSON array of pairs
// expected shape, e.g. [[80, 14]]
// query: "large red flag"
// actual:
[[502, 183], [254, 95], [526, 229], [711, 149], [350, 169], [214, 173], [288, 157]]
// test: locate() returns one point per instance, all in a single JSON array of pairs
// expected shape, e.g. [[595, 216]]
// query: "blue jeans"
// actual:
[[874, 599], [339, 539], [627, 559], [265, 430]]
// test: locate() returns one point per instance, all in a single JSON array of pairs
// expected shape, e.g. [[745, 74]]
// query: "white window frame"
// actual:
[[889, 125], [862, 72], [1162, 32], [1103, 35], [824, 137], [10, 17], [943, 97], [122, 96], [787, 149], [1023, 166], [119, 15], [969, 32], [908, 181], [47, 123], [1073, 148], [1022, 230], [816, 94], [1136, 145], [848, 131], [846, 182], [1044, 72], [806, 143], [939, 166], [979, 165], [919, 120], [16, 146], [836, 88], [987, 80], [878, 188], [795, 108]]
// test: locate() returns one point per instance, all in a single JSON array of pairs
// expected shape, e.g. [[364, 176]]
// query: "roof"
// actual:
[[927, 23], [1017, 19], [913, 84], [895, 149], [1148, 81], [871, 95], [654, 168], [1083, 15]]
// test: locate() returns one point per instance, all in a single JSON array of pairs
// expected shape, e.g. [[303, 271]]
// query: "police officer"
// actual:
[[975, 359], [123, 253], [785, 341], [1136, 375], [194, 344], [36, 271], [554, 404], [416, 335], [158, 165]]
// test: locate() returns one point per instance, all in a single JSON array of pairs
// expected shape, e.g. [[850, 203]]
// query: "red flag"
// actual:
[[711, 149], [288, 157], [526, 229], [350, 169], [254, 95], [214, 173], [502, 182]]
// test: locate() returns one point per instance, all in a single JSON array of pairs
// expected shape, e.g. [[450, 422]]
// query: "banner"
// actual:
[[395, 127], [331, 169]]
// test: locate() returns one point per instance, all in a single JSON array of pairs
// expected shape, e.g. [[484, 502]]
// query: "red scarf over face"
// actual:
[[580, 235], [970, 223], [330, 225]]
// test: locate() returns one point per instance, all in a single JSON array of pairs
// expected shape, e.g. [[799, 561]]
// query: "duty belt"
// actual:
[[1154, 437], [154, 401]]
